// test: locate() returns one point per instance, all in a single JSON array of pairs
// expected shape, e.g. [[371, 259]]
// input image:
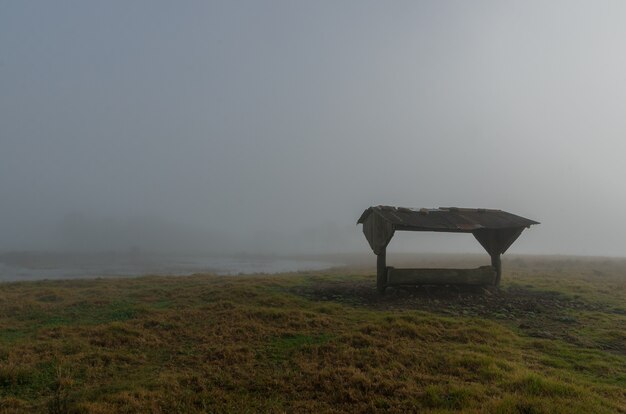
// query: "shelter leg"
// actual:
[[381, 272], [496, 262]]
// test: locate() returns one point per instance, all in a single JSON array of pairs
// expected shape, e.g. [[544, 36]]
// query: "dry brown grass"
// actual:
[[319, 342]]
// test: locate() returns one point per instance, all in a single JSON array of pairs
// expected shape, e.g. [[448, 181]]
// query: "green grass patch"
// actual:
[[282, 347]]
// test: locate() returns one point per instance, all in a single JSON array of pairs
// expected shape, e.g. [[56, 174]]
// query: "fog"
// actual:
[[268, 127]]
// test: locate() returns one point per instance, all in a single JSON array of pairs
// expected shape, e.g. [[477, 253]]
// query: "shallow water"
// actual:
[[161, 265]]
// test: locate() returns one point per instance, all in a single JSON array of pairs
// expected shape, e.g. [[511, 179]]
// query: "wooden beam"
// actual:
[[496, 262], [381, 271], [485, 275]]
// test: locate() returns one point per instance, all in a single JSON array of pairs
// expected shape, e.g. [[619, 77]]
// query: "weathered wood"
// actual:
[[381, 271], [495, 230], [378, 233], [484, 275], [497, 241], [496, 262]]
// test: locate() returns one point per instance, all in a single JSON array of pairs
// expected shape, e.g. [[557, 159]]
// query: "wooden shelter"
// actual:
[[495, 230]]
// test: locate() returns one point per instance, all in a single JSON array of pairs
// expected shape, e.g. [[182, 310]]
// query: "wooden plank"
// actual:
[[484, 275]]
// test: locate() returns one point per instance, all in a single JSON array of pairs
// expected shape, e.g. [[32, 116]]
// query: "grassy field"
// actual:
[[551, 340]]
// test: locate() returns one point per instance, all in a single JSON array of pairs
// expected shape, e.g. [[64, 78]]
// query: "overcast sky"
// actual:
[[272, 125]]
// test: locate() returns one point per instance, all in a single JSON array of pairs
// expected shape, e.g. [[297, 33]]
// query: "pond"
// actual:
[[31, 266]]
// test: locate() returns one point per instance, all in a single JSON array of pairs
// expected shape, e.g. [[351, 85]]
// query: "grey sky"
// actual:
[[274, 124]]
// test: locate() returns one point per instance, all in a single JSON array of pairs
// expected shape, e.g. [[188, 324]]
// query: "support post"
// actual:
[[381, 271], [496, 262]]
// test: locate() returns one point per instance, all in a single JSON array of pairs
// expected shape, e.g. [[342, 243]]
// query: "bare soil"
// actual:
[[538, 313]]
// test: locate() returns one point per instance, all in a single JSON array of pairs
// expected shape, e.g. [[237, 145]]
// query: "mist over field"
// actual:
[[180, 185], [268, 127]]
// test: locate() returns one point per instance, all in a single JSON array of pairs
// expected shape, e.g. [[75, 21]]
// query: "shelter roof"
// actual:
[[447, 219]]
